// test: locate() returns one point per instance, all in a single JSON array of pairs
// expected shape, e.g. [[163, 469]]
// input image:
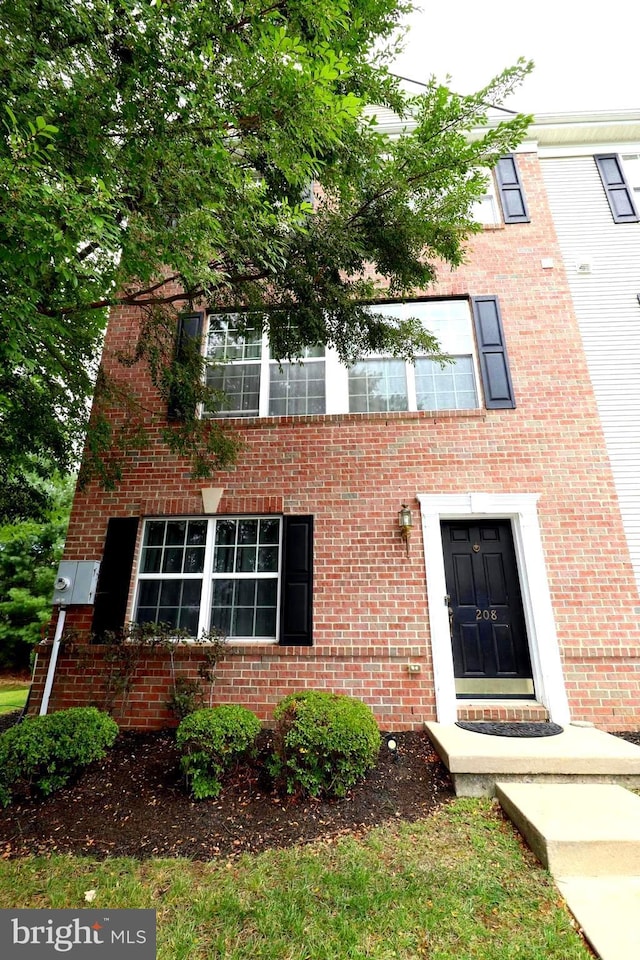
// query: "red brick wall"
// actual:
[[352, 472]]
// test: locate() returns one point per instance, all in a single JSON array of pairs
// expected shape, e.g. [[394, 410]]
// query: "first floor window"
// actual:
[[222, 573], [249, 577], [246, 563]]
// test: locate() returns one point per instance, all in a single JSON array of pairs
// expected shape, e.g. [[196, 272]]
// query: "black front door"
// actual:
[[490, 648]]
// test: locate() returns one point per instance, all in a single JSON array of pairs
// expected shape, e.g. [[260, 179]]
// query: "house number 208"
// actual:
[[486, 614]]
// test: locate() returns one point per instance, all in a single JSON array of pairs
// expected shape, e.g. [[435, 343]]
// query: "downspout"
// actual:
[[62, 616]]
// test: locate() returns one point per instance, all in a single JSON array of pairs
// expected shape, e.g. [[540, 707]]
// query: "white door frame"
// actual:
[[521, 510]]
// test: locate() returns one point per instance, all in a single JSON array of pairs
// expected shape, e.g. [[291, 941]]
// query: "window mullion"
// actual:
[[336, 377], [263, 404], [205, 592], [412, 402]]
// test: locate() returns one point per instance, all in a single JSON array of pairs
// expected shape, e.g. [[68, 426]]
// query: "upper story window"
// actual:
[[252, 384], [487, 210], [236, 366], [379, 384], [505, 183], [631, 164]]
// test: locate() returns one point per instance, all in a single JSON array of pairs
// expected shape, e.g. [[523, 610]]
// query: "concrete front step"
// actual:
[[608, 911], [577, 755], [577, 829], [502, 710]]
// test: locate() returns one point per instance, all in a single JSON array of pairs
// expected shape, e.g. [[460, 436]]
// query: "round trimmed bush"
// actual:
[[44, 753], [211, 741], [324, 743]]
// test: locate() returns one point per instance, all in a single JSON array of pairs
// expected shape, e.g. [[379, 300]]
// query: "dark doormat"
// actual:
[[516, 729]]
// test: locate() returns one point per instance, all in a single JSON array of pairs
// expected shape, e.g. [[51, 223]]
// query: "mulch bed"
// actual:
[[134, 803]]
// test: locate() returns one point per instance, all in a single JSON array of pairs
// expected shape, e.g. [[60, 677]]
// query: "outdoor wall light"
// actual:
[[405, 523]]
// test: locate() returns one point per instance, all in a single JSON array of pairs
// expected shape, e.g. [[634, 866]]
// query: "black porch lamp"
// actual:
[[405, 523]]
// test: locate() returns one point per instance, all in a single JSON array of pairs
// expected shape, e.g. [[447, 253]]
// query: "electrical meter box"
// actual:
[[76, 582]]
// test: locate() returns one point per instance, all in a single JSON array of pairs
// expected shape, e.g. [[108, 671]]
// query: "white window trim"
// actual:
[[521, 510], [208, 576]]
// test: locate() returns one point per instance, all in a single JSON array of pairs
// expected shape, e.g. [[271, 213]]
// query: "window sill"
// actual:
[[394, 415]]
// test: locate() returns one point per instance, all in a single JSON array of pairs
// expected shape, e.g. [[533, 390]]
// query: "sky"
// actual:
[[584, 59]]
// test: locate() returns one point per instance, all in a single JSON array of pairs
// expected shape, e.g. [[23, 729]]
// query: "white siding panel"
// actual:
[[608, 312]]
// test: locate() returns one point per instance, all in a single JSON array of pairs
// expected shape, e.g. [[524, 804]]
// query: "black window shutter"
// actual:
[[297, 582], [618, 191], [190, 327], [112, 593], [514, 205], [492, 354]]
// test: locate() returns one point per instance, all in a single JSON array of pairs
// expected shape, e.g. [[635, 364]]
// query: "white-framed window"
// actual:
[[197, 574], [631, 164], [235, 367], [487, 210], [298, 389], [240, 368], [251, 384], [383, 384]]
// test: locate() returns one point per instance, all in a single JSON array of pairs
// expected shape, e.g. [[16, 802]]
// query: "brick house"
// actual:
[[514, 595]]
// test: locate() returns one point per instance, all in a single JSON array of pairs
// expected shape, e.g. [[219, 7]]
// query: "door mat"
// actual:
[[519, 728]]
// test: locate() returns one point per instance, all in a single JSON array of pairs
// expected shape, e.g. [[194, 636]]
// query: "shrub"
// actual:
[[186, 697], [43, 753], [211, 741], [324, 743]]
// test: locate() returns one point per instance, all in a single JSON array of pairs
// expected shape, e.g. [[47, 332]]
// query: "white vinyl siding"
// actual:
[[605, 295]]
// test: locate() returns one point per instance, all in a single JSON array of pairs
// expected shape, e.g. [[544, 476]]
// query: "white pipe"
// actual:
[[62, 616]]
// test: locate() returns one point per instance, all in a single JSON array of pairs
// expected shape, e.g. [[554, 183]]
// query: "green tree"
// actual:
[[159, 154], [29, 554]]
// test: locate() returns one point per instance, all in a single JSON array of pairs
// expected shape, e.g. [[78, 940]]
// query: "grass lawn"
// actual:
[[13, 696], [455, 886]]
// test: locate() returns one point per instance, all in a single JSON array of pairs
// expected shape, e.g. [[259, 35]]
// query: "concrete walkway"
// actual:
[[588, 837], [564, 795]]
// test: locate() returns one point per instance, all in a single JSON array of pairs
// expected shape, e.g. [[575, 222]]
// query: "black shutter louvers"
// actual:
[[190, 327], [512, 199], [114, 580], [616, 188], [296, 614], [492, 354]]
